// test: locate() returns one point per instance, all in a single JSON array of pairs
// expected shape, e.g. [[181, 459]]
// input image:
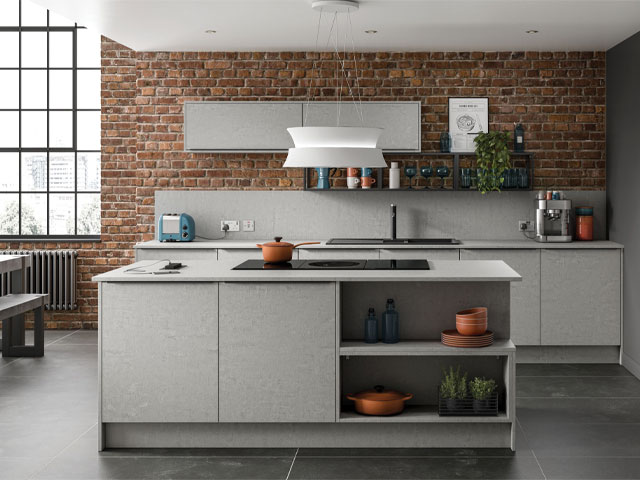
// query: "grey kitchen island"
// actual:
[[216, 357]]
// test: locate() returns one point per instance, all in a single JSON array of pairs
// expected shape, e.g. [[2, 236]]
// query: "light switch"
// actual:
[[248, 226]]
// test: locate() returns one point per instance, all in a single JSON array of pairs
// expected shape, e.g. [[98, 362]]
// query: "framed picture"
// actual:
[[467, 118]]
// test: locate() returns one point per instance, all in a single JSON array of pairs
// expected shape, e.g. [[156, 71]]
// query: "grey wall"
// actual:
[[322, 215], [623, 180]]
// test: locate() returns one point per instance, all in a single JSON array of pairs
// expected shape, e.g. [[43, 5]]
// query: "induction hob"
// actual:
[[405, 264]]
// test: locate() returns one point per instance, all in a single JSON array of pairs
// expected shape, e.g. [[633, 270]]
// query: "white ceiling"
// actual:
[[403, 25]]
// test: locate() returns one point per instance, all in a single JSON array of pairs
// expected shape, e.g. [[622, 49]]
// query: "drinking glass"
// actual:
[[523, 178], [443, 172], [410, 171], [465, 177], [426, 173]]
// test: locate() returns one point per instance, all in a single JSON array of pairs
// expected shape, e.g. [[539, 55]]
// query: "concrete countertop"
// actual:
[[217, 271], [484, 244]]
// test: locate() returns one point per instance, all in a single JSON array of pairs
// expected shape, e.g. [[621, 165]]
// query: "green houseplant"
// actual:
[[453, 387], [481, 390], [493, 158]]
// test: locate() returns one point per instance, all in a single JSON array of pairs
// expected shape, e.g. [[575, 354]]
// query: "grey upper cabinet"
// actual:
[[262, 126], [580, 297], [400, 121], [525, 295], [277, 352], [237, 126]]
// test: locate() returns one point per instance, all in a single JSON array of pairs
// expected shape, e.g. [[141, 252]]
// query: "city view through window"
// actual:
[[49, 124]]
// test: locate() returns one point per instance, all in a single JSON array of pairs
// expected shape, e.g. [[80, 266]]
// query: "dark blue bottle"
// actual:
[[371, 327], [390, 327]]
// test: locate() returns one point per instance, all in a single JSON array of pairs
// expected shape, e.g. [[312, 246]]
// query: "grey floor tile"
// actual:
[[591, 468], [87, 446], [571, 370], [577, 387], [80, 337], [354, 468], [583, 439], [578, 410], [246, 468], [20, 468], [32, 409], [68, 361], [19, 440]]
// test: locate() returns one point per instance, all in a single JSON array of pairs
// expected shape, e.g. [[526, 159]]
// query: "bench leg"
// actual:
[[38, 332], [11, 348]]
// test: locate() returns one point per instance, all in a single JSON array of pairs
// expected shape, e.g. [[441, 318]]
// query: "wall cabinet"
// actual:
[[159, 352], [525, 295], [262, 126], [580, 297], [277, 352]]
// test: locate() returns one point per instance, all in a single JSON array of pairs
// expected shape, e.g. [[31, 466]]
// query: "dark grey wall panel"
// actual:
[[623, 180]]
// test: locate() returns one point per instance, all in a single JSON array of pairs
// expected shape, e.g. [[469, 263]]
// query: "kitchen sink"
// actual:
[[393, 241]]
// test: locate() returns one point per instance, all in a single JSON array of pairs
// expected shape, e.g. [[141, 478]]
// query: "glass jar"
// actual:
[[584, 223], [390, 327]]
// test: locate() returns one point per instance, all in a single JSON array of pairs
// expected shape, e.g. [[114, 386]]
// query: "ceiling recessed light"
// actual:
[[211, 31], [532, 31], [371, 31]]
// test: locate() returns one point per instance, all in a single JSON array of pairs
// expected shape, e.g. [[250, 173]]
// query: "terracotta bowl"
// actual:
[[471, 329], [470, 313]]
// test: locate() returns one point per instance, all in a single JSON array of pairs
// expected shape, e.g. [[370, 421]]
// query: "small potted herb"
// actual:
[[481, 391], [492, 158], [453, 388]]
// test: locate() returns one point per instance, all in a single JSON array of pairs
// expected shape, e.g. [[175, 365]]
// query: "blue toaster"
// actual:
[[176, 227]]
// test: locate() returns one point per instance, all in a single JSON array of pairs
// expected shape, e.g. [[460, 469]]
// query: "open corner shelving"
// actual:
[[415, 157]]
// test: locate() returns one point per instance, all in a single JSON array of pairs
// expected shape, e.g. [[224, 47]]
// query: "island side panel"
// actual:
[[277, 352], [159, 352]]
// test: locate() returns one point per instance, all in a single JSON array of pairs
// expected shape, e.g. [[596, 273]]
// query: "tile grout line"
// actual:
[[526, 439], [65, 336], [61, 452], [292, 462]]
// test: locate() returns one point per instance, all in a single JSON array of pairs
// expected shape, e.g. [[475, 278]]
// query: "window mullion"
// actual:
[[19, 116]]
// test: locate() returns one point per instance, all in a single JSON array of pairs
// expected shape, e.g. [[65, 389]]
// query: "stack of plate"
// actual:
[[452, 338]]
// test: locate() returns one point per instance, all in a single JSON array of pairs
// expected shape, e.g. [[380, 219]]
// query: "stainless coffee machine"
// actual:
[[553, 220]]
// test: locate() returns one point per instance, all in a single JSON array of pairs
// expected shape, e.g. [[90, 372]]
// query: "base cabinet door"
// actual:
[[580, 295], [159, 345], [525, 295], [277, 352]]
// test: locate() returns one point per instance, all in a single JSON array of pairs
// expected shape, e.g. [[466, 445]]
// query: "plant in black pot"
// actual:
[[492, 158], [482, 390], [453, 388]]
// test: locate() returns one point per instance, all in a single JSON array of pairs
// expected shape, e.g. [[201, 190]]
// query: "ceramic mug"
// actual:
[[353, 182], [352, 172], [367, 172], [367, 182]]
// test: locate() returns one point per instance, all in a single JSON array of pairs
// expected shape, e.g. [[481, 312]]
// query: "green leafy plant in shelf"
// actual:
[[453, 384], [492, 158], [482, 389]]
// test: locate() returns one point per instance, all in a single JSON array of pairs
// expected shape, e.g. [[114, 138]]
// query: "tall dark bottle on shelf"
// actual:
[[518, 138], [390, 326]]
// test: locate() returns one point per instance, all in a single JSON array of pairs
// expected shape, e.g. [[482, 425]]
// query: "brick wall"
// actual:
[[558, 96]]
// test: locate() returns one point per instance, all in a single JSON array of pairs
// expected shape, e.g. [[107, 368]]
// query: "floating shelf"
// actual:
[[415, 156], [422, 348], [420, 414]]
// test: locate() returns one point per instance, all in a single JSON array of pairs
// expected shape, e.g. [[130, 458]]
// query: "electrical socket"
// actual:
[[248, 226], [525, 225], [234, 225]]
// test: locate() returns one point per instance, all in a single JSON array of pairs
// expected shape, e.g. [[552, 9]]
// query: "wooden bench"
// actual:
[[15, 305]]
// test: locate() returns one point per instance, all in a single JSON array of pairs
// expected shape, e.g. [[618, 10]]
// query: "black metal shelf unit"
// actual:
[[527, 157]]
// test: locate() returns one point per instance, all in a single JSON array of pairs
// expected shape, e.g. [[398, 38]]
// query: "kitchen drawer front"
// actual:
[[525, 295], [242, 254], [176, 254], [240, 126], [338, 253], [420, 253], [159, 344], [277, 352], [580, 297]]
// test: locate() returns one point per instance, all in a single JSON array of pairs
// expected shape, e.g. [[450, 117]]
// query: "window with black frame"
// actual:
[[49, 125]]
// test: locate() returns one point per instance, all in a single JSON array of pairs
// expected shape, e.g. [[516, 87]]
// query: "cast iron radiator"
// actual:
[[52, 272]]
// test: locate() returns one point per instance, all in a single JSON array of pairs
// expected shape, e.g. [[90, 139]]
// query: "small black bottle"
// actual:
[[518, 138], [371, 327]]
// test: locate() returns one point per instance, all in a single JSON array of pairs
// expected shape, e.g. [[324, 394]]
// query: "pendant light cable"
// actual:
[[311, 90]]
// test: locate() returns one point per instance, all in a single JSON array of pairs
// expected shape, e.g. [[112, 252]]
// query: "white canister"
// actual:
[[394, 175]]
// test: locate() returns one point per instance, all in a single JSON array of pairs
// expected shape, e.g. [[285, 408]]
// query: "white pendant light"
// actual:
[[339, 146]]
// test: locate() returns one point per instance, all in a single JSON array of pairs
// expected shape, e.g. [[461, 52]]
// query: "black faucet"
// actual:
[[393, 221]]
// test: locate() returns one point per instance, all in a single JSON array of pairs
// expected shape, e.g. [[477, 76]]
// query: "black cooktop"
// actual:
[[335, 265]]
